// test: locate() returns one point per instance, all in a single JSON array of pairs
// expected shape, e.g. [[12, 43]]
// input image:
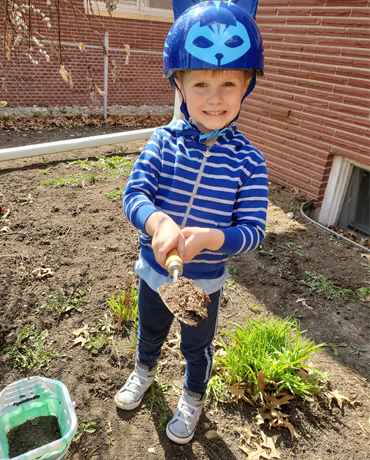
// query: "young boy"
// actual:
[[200, 187]]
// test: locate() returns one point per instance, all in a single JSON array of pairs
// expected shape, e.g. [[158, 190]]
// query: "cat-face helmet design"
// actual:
[[214, 35]]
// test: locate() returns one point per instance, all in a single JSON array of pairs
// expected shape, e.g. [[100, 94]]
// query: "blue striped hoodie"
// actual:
[[223, 187]]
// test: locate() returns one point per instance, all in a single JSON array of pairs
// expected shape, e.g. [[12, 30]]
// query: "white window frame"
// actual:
[[336, 189], [138, 9]]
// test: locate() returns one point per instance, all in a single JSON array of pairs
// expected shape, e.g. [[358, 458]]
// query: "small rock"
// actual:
[[207, 425], [151, 450], [103, 376], [290, 215], [211, 434]]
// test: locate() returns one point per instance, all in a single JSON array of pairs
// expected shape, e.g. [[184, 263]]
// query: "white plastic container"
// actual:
[[34, 397]]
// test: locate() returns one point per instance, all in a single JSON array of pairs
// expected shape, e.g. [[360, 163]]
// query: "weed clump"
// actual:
[[273, 347], [31, 349]]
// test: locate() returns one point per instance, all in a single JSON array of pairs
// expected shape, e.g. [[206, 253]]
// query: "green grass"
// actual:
[[105, 166], [62, 303], [117, 193], [292, 248], [318, 283], [275, 347], [31, 349]]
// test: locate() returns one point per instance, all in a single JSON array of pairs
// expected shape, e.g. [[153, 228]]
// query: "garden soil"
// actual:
[[185, 300], [76, 239]]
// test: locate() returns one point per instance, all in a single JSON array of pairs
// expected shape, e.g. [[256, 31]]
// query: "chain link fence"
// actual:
[[136, 83]]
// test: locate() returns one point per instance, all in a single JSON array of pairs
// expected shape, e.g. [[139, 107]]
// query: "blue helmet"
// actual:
[[214, 35]]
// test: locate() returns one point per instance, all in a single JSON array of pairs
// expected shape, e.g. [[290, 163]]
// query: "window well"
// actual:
[[355, 214]]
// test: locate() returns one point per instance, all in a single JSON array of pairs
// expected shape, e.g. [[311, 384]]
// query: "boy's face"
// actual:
[[213, 98]]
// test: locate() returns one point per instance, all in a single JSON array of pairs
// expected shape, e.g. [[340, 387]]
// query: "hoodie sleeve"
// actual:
[[250, 209], [139, 196]]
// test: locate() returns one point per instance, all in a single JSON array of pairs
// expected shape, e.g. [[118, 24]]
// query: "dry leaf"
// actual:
[[304, 303], [275, 402], [81, 47], [81, 340], [245, 433], [3, 104], [270, 444], [41, 272], [101, 92], [261, 379], [339, 398], [5, 229], [235, 391], [367, 256], [67, 77], [258, 454]]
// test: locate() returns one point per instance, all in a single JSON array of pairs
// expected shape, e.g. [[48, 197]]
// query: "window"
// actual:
[[145, 7], [355, 214]]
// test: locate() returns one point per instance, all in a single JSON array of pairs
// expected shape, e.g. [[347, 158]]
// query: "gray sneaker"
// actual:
[[181, 428], [132, 392]]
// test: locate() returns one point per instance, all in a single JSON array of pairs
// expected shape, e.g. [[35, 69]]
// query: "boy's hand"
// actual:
[[198, 238], [166, 236]]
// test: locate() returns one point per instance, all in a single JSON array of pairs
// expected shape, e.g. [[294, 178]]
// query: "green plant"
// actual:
[[292, 248], [82, 163], [31, 349], [124, 307], [44, 171], [157, 397], [335, 347], [358, 351], [115, 165], [255, 308], [367, 266], [59, 182], [99, 335], [276, 348], [62, 303], [338, 242], [88, 427], [43, 162], [318, 283], [364, 292], [27, 200], [217, 388], [63, 110], [232, 271], [117, 193], [5, 119], [265, 253]]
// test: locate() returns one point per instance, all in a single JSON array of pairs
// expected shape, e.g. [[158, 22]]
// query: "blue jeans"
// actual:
[[196, 342]]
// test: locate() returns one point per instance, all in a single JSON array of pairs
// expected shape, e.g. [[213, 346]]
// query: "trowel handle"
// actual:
[[174, 262]]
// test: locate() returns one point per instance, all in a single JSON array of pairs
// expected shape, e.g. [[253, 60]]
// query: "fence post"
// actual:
[[105, 89]]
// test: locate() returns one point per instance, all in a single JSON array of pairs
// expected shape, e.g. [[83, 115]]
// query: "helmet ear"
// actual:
[[179, 6], [250, 6]]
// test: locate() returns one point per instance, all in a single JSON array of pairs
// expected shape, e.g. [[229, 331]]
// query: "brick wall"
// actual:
[[138, 83], [313, 102]]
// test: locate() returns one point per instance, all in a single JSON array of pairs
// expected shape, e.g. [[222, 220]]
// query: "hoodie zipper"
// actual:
[[206, 154]]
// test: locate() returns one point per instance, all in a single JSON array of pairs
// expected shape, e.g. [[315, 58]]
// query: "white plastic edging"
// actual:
[[74, 144]]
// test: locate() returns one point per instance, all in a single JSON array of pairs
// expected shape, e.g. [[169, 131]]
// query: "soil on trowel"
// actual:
[[185, 300], [33, 434]]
